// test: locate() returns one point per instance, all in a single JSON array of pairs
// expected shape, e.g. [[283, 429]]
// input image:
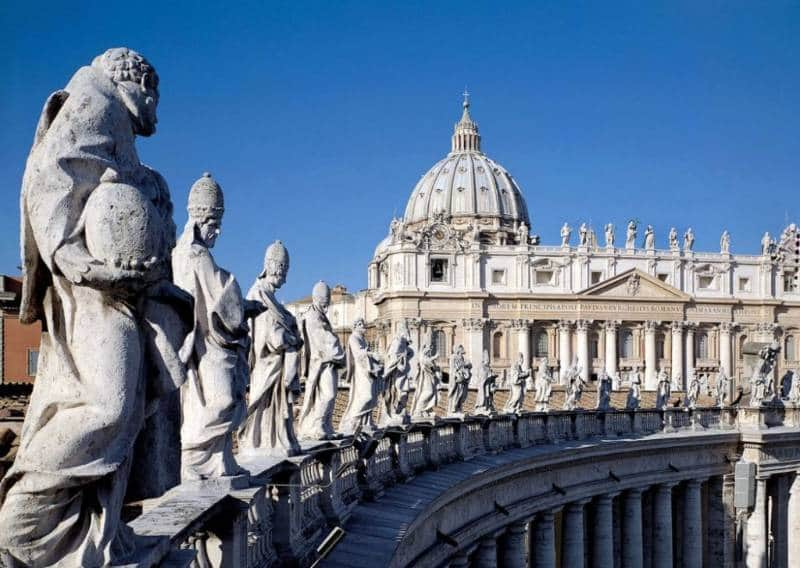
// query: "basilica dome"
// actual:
[[466, 185]]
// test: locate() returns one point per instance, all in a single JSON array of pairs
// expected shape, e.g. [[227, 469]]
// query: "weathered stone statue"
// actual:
[[673, 239], [274, 365], [516, 397], [664, 390], [575, 386], [630, 235], [216, 351], [583, 235], [723, 388], [766, 244], [692, 392], [793, 396], [523, 233], [427, 390], [649, 238], [688, 240], [566, 231], [609, 230], [484, 402], [364, 373], [396, 376], [457, 388], [97, 232], [603, 391], [761, 381], [543, 387], [725, 242], [635, 390], [322, 357]]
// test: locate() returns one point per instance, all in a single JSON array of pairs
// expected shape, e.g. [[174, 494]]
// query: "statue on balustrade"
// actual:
[[793, 394], [630, 235], [364, 374], [692, 392], [649, 238], [323, 356], [583, 235], [767, 244], [634, 399], [543, 387], [603, 391], [673, 239], [457, 388], [396, 376], [566, 231], [428, 377], [517, 381], [96, 234], [688, 240], [725, 242], [663, 390], [723, 389], [274, 365], [216, 350], [609, 230], [761, 388], [575, 386], [484, 403]]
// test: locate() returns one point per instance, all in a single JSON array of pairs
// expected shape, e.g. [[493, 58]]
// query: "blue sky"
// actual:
[[319, 117]]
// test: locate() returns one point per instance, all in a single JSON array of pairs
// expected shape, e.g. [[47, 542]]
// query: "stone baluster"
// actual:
[[632, 546], [611, 328], [544, 540], [662, 526], [650, 363], [756, 541], [793, 536], [676, 353], [564, 348], [603, 544], [582, 332], [573, 545], [692, 525], [513, 546], [486, 554]]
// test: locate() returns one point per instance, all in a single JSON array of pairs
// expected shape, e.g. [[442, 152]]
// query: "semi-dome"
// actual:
[[467, 184]]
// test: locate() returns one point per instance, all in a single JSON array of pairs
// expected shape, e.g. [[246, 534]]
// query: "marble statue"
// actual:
[[457, 388], [566, 231], [516, 396], [364, 375], [793, 394], [635, 390], [603, 391], [649, 238], [523, 233], [583, 235], [693, 392], [766, 244], [725, 242], [396, 379], [688, 240], [275, 347], [484, 403], [592, 239], [761, 389], [97, 234], [630, 235], [575, 386], [664, 390], [322, 358], [216, 350], [722, 388], [673, 239], [543, 387], [426, 396], [609, 230]]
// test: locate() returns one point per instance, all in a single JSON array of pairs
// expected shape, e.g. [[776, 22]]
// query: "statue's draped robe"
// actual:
[[364, 373], [459, 382], [517, 395], [322, 356], [212, 400], [274, 374], [485, 395], [61, 500], [427, 393], [543, 388], [396, 374]]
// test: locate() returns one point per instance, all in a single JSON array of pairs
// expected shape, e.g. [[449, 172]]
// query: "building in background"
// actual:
[[19, 344]]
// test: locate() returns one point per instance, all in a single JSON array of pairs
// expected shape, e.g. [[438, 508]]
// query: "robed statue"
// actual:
[[364, 374], [426, 395], [396, 375]]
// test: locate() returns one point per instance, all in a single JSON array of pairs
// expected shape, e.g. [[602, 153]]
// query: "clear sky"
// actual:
[[319, 117]]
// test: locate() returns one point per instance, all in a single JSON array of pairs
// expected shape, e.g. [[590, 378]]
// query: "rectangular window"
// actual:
[[438, 270], [544, 277], [790, 282], [33, 360], [498, 276], [705, 282], [597, 276], [744, 284]]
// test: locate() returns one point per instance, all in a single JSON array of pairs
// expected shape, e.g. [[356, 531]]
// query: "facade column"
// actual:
[[677, 355], [523, 329], [650, 371], [692, 525], [689, 350], [564, 344], [582, 331], [662, 526], [513, 553], [793, 530], [603, 544], [725, 361], [473, 335], [611, 328], [573, 553], [486, 554], [544, 540], [632, 549], [756, 540]]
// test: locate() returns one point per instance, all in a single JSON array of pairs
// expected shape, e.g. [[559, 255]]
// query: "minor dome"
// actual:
[[467, 184]]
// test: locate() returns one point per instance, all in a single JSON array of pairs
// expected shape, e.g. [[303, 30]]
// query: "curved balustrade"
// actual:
[[460, 492]]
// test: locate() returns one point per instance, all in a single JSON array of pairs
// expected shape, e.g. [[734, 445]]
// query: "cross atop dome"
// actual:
[[465, 132]]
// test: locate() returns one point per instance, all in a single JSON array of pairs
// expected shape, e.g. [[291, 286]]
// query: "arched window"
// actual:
[[497, 345], [702, 345], [440, 341], [626, 344], [541, 344], [790, 348]]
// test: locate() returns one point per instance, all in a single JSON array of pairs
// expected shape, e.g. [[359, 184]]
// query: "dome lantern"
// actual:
[[465, 132]]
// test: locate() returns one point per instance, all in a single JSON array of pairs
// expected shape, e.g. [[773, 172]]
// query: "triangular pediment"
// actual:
[[634, 284]]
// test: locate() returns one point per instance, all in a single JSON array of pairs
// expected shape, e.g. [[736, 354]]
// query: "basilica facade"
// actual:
[[462, 267]]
